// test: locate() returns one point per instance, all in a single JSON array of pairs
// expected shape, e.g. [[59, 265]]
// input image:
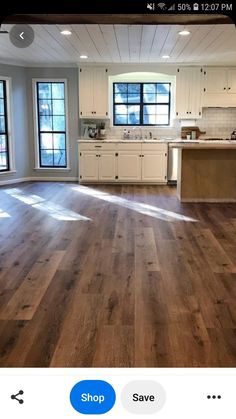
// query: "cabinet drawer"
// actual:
[[97, 146], [129, 147], [154, 147]]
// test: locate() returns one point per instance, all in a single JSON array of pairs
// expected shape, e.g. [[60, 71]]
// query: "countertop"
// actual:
[[173, 143]]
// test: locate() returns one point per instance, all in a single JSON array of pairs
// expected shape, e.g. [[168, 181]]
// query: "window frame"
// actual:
[[38, 165], [141, 104], [9, 131]]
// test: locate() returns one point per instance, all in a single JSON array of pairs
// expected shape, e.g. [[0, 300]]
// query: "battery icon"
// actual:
[[195, 6]]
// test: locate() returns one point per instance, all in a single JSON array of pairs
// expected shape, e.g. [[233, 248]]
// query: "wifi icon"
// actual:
[[161, 6]]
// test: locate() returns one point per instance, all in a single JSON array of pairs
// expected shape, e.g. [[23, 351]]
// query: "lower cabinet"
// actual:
[[123, 162], [97, 166]]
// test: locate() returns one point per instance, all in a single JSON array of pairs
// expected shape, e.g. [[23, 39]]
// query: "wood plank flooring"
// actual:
[[141, 281]]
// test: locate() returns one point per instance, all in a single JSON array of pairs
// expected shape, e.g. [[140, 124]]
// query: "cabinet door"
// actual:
[[154, 167], [215, 81], [107, 166], [232, 80], [129, 166], [86, 105], [100, 92], [182, 93], [195, 93], [88, 166]]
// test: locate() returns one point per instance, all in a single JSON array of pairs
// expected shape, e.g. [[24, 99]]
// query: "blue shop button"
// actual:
[[92, 397]]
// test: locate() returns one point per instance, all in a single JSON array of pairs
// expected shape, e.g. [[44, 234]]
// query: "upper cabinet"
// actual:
[[189, 93], [93, 92], [219, 87]]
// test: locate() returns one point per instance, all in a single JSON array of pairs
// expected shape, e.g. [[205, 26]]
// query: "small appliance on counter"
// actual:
[[90, 131], [191, 133], [233, 136]]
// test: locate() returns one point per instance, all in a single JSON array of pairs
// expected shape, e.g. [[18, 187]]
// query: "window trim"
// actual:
[[36, 125], [141, 104], [10, 134]]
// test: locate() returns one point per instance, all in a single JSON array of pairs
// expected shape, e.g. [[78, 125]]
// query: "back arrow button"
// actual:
[[21, 35]]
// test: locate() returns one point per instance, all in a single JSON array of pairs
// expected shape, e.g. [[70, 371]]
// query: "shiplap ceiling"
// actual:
[[206, 44]]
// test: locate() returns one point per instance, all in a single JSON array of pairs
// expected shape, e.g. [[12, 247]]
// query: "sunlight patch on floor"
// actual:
[[4, 214], [139, 207], [53, 210]]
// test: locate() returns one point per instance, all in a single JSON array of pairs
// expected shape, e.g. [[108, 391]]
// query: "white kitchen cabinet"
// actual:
[[123, 162], [219, 87], [88, 166], [93, 92], [129, 166], [97, 161], [154, 162], [189, 93]]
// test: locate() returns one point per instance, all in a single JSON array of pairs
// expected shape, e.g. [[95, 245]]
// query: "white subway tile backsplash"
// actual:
[[215, 121]]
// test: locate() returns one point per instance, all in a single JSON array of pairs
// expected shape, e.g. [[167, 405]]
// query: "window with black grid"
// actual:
[[141, 103], [4, 149], [51, 111]]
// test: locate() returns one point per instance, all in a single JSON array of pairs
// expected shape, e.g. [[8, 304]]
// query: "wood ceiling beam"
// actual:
[[151, 19]]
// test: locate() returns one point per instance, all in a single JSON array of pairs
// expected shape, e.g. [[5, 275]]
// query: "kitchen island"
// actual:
[[206, 171]]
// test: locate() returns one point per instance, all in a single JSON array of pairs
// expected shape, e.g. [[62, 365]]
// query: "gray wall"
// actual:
[[71, 74], [23, 123], [19, 120]]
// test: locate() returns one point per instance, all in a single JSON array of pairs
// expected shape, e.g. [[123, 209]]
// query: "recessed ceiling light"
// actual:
[[66, 32], [165, 56], [83, 56], [184, 32]]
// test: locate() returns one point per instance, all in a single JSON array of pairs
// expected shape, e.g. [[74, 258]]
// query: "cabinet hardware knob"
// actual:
[[229, 88], [224, 88]]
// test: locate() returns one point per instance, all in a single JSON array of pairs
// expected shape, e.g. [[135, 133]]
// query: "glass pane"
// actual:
[[1, 90], [44, 90], [59, 141], [45, 123], [134, 88], [134, 115], [149, 119], [121, 109], [163, 88], [3, 143], [58, 107], [46, 141], [2, 124], [45, 107], [162, 109], [149, 98], [120, 97], [134, 98], [149, 88], [59, 123], [162, 98], [60, 157], [1, 107], [162, 119], [149, 109], [121, 119], [121, 88], [3, 161], [46, 157], [58, 91]]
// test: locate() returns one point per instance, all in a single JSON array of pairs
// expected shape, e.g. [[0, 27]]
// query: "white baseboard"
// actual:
[[38, 179]]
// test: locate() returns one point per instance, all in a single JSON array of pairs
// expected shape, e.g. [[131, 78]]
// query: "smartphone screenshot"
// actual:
[[118, 210]]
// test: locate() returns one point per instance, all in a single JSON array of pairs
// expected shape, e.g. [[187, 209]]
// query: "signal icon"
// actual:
[[161, 6], [172, 8]]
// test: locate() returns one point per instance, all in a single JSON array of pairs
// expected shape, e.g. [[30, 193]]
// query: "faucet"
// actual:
[[150, 135]]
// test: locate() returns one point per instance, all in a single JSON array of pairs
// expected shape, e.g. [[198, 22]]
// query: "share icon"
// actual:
[[15, 397]]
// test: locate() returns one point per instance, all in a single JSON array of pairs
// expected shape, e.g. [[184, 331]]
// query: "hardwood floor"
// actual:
[[115, 276]]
